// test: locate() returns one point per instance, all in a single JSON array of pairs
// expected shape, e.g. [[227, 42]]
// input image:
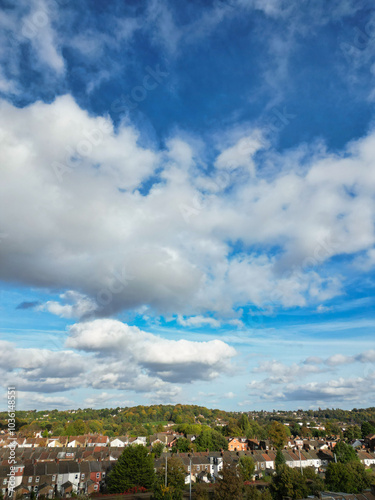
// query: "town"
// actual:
[[47, 466]]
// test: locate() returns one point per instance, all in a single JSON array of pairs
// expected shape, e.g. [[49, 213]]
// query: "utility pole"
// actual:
[[166, 468], [190, 478], [300, 461]]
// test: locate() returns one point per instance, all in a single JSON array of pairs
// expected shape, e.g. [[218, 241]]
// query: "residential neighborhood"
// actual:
[[64, 466]]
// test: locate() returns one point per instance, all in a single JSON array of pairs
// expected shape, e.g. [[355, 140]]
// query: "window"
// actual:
[[76, 476], [37, 479], [82, 476], [97, 475], [4, 481], [30, 479], [95, 486], [103, 474], [54, 477]]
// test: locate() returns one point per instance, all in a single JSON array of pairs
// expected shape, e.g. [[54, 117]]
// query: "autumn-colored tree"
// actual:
[[277, 434]]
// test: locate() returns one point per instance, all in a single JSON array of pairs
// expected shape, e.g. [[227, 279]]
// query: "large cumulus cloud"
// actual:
[[87, 209]]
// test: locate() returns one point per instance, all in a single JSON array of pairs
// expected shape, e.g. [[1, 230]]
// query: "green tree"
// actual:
[[201, 492], [345, 453], [290, 483], [367, 428], [79, 427], [295, 429], [314, 482], [352, 432], [347, 477], [280, 459], [211, 440], [247, 468], [252, 493], [277, 434], [182, 445], [244, 424], [158, 449], [229, 485], [175, 480], [135, 467], [59, 431]]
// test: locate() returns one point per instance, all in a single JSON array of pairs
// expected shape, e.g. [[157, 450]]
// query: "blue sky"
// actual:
[[187, 203]]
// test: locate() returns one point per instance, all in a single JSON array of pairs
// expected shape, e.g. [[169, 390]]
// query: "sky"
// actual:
[[187, 203]]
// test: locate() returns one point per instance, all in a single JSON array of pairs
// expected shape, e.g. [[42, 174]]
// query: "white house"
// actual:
[[119, 442], [139, 440], [68, 471]]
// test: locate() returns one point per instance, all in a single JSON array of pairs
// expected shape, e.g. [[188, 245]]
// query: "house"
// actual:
[[76, 441], [326, 456], [357, 443], [370, 441], [96, 474], [291, 459], [91, 487], [237, 444], [298, 442], [366, 458], [20, 441], [310, 459], [46, 490], [253, 444], [216, 463], [57, 442], [138, 440], [97, 441], [119, 442], [20, 491], [265, 444], [68, 473], [6, 472], [34, 442], [66, 489]]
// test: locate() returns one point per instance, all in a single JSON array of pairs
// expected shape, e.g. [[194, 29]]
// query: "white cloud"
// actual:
[[76, 305], [104, 399], [40, 400], [198, 321], [37, 27], [169, 360], [118, 357], [279, 373], [352, 389], [93, 231], [283, 382], [241, 154]]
